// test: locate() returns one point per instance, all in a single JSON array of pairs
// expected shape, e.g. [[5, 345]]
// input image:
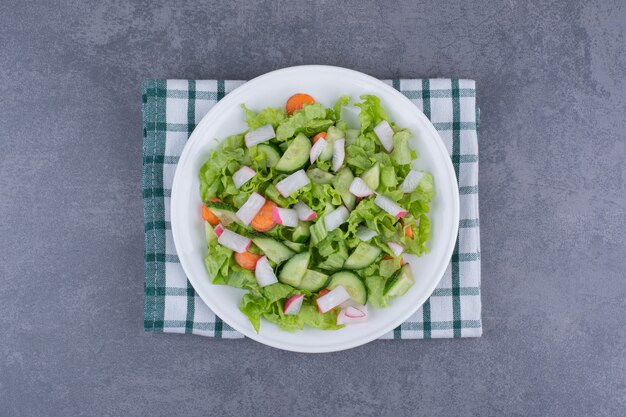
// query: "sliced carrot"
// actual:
[[263, 221], [247, 260], [297, 101], [321, 135], [409, 232], [387, 257], [208, 215]]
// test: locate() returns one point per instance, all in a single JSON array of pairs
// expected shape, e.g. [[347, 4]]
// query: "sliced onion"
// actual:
[[353, 315], [304, 212], [390, 206], [332, 299], [264, 273], [234, 241], [293, 304], [292, 183], [284, 216], [385, 135], [411, 181], [243, 175], [396, 248], [339, 153], [250, 208], [260, 135], [359, 188], [336, 218], [364, 233], [317, 149]]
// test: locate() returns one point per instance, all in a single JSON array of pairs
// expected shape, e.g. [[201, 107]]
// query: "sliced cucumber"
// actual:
[[351, 283], [342, 182], [320, 177], [333, 262], [332, 135], [294, 269], [298, 247], [224, 212], [400, 282], [273, 249], [313, 281], [296, 155], [302, 232], [272, 155], [362, 257], [209, 233], [371, 177], [389, 266]]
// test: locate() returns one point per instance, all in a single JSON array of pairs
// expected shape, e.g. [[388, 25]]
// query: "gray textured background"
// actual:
[[551, 87]]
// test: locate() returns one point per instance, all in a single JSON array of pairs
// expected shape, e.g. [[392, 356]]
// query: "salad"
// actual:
[[311, 209]]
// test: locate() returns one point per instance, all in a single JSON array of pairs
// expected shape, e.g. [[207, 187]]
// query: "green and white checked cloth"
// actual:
[[171, 110]]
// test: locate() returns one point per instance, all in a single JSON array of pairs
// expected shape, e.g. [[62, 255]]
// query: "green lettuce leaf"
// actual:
[[375, 286], [310, 120], [371, 113], [274, 116]]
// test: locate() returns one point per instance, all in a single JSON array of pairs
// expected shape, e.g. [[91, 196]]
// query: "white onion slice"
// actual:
[[264, 273], [339, 153], [359, 188], [332, 299], [304, 212], [336, 218], [292, 183], [243, 175], [385, 135], [411, 181], [260, 135], [250, 208], [390, 206]]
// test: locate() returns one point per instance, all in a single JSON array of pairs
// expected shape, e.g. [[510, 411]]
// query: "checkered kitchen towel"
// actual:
[[171, 110]]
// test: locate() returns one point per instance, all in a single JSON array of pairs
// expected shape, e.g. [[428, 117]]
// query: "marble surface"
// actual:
[[551, 87]]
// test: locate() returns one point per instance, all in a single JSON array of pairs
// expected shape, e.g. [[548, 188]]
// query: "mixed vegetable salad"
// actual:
[[311, 209]]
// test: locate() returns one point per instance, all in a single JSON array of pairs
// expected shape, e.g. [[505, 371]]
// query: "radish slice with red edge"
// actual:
[[359, 188], [396, 248], [243, 175], [332, 299], [339, 153], [336, 218], [284, 216], [353, 315], [234, 241], [364, 233], [411, 181], [293, 183], [260, 135], [390, 206], [317, 149], [293, 304], [218, 230], [264, 273], [304, 212], [250, 208], [385, 135]]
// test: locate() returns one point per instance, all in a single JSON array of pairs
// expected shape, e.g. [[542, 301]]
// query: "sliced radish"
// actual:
[[339, 153], [304, 212], [364, 233], [250, 208], [352, 315], [284, 216], [234, 241], [317, 149], [293, 183], [411, 181], [359, 188], [218, 230], [390, 206], [396, 248], [336, 218], [260, 135], [350, 115], [293, 304], [332, 299], [385, 135], [243, 175], [264, 273]]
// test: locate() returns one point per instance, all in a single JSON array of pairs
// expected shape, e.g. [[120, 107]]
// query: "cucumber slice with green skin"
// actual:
[[371, 177], [276, 251], [224, 212], [313, 281], [302, 232], [293, 271], [342, 182], [400, 282], [332, 135], [272, 155], [362, 257], [320, 177], [298, 247], [209, 233], [352, 284], [296, 155]]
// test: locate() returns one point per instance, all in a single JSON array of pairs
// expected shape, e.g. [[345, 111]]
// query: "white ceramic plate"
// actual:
[[326, 84]]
